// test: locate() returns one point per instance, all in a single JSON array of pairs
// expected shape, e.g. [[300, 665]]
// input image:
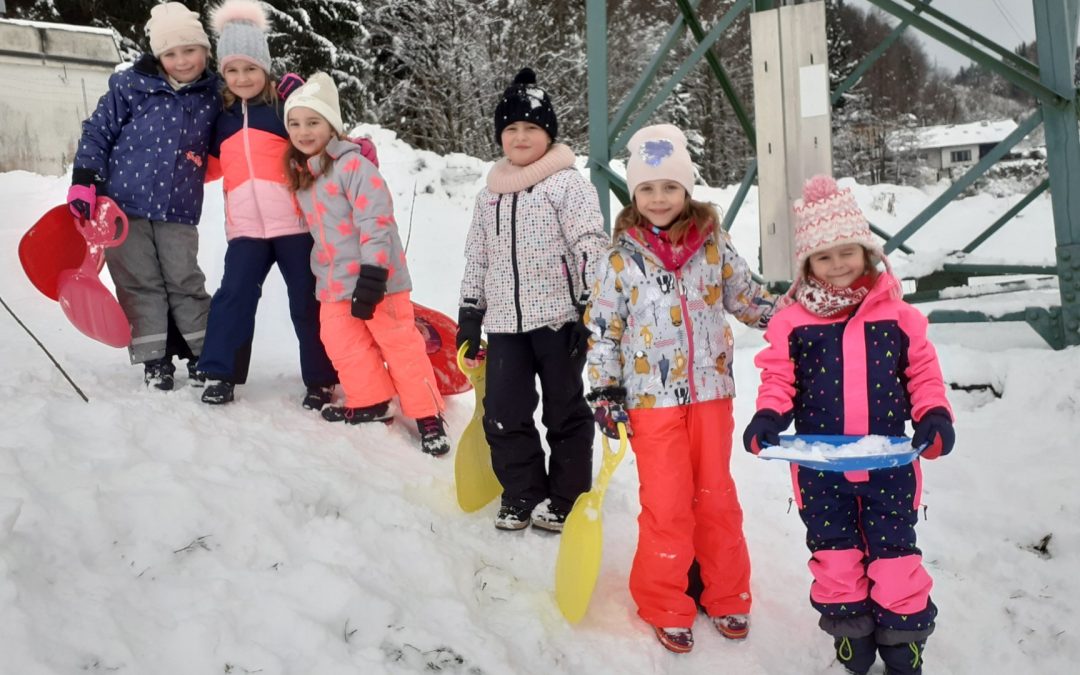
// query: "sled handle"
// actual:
[[471, 371], [101, 230]]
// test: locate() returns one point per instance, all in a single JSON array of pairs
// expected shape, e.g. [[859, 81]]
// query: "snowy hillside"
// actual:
[[148, 533]]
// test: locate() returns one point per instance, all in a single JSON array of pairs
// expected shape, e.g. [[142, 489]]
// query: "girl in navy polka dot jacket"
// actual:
[[536, 233], [145, 146], [847, 355]]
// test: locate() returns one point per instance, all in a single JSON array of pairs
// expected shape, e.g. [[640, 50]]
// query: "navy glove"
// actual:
[[609, 410], [370, 290], [469, 322], [764, 430], [288, 83], [935, 431], [579, 336]]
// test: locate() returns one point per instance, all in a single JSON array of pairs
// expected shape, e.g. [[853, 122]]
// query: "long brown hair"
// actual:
[[701, 215], [296, 168]]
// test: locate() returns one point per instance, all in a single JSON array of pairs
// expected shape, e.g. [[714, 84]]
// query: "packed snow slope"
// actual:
[[146, 532]]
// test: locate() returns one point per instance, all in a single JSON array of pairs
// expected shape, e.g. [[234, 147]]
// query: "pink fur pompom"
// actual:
[[819, 188], [250, 11]]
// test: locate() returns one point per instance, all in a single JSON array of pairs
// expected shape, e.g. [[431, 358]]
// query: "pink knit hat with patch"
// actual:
[[826, 217]]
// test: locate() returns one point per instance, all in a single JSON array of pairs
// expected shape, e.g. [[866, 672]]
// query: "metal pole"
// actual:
[[599, 150], [1055, 36]]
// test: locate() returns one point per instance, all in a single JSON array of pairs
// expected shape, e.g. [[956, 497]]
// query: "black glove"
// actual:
[[470, 319], [370, 290], [764, 430], [935, 431], [609, 409], [579, 337]]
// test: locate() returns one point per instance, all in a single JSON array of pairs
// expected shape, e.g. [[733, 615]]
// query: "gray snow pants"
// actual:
[[156, 272]]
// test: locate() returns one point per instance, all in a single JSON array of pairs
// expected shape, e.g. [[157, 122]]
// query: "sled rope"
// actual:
[[34, 337]]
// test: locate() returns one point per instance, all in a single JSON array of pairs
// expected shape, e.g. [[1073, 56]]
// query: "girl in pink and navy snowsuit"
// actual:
[[362, 279], [848, 356]]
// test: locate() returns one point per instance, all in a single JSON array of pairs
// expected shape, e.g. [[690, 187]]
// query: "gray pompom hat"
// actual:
[[240, 26]]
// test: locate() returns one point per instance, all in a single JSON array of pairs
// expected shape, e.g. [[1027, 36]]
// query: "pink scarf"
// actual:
[[673, 256], [825, 300], [505, 178]]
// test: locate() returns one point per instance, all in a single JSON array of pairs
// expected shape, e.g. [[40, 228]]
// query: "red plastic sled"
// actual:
[[51, 246], [439, 332], [63, 256]]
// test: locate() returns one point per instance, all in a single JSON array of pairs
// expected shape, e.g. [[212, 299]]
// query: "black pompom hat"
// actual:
[[523, 101]]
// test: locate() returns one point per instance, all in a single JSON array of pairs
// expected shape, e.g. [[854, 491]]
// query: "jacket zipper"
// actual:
[[250, 163], [514, 261], [689, 336], [498, 203]]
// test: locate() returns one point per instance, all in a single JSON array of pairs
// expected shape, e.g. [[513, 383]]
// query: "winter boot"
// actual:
[[513, 516], [856, 655], [195, 378], [549, 517], [905, 658], [433, 439], [218, 393], [317, 397], [733, 626], [380, 412], [678, 640], [159, 374]]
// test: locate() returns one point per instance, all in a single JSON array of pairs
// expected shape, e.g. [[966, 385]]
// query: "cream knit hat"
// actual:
[[659, 153], [173, 25], [320, 94]]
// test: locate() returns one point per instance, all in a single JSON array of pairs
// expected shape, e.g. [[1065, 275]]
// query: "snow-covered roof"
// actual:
[[59, 26], [974, 133]]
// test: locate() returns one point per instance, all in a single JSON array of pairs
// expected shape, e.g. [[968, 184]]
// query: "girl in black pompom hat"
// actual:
[[536, 233]]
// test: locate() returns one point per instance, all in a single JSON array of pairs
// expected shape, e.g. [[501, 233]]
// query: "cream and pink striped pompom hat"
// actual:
[[827, 216]]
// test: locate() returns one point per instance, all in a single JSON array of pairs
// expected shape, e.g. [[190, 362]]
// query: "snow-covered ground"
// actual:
[[149, 533]]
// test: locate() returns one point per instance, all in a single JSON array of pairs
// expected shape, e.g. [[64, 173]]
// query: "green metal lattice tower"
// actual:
[[1051, 82]]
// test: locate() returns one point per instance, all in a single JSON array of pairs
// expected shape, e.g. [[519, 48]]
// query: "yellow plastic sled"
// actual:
[[581, 548], [474, 479]]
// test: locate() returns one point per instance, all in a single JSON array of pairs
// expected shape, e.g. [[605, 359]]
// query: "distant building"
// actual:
[[52, 76], [950, 146]]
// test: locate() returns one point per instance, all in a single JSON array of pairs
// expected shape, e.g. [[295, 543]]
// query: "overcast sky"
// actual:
[[1007, 22]]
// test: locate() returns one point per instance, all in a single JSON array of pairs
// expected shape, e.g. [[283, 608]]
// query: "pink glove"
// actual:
[[82, 200], [288, 83], [367, 149]]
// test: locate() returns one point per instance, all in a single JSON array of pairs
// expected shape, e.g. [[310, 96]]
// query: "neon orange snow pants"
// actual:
[[380, 357], [689, 508]]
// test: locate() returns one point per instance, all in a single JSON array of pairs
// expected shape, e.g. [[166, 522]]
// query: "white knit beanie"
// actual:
[[240, 26], [173, 25], [320, 94], [659, 153]]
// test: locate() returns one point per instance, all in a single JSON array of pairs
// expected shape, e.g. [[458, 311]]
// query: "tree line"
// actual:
[[433, 70]]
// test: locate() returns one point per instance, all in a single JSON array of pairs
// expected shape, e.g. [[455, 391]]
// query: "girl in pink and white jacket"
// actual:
[[262, 223], [359, 264], [848, 356]]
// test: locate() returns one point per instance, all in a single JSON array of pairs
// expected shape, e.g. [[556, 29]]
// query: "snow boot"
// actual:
[[317, 397], [218, 393], [549, 517], [905, 658], [433, 438], [733, 626], [380, 412], [513, 516], [195, 378], [159, 374], [678, 640], [856, 655]]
